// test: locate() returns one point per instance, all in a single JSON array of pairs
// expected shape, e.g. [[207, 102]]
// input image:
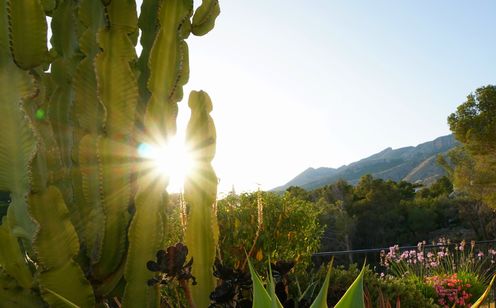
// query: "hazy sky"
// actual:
[[299, 84]]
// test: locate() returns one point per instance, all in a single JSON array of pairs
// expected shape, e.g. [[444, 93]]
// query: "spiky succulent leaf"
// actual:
[[28, 32], [483, 297], [321, 299], [200, 191], [261, 297], [353, 297], [204, 17], [56, 244]]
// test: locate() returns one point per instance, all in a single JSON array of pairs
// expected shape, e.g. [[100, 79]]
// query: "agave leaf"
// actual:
[[321, 299], [354, 295], [484, 295], [28, 33], [204, 17], [261, 297], [56, 244]]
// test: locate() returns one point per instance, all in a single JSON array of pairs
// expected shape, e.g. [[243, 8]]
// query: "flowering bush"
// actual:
[[451, 273], [444, 258], [451, 291]]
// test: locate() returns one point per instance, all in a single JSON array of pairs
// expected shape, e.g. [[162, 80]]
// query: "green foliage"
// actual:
[[443, 187], [81, 212], [378, 290], [473, 122], [261, 297], [378, 213], [484, 295], [289, 229], [353, 297], [321, 299], [475, 163]]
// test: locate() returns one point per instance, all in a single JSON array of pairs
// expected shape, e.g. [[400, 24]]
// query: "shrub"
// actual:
[[267, 225], [379, 289]]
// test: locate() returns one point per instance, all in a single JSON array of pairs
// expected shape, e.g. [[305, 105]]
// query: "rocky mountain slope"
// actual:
[[413, 164]]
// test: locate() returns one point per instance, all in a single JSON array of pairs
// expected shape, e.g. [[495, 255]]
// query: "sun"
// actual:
[[172, 159]]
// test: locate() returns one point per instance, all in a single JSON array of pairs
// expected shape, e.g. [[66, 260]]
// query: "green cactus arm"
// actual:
[[92, 213], [89, 112], [18, 145], [65, 42], [116, 196], [118, 91], [117, 82], [49, 5], [146, 235], [47, 167], [204, 17], [55, 245], [28, 32], [200, 192], [89, 118], [169, 65], [12, 259], [148, 23]]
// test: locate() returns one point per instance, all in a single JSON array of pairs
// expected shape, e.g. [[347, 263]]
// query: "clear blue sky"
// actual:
[[324, 83]]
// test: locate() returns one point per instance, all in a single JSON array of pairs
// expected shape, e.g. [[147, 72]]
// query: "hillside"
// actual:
[[413, 164]]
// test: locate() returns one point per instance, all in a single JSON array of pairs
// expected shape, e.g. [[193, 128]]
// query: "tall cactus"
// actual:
[[85, 215], [200, 194]]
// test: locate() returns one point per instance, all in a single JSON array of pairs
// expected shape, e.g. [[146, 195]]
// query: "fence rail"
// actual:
[[378, 250]]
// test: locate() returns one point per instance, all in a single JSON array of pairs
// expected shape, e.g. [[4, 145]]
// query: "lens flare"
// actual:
[[172, 159]]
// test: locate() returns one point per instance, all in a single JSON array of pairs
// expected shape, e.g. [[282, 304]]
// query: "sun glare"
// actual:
[[172, 159]]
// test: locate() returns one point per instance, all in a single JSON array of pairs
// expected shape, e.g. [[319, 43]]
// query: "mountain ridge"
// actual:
[[411, 163]]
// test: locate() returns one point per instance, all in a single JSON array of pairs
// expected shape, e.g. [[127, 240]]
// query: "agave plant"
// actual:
[[85, 212]]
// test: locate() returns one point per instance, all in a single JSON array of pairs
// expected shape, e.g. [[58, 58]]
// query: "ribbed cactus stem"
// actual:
[[200, 192]]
